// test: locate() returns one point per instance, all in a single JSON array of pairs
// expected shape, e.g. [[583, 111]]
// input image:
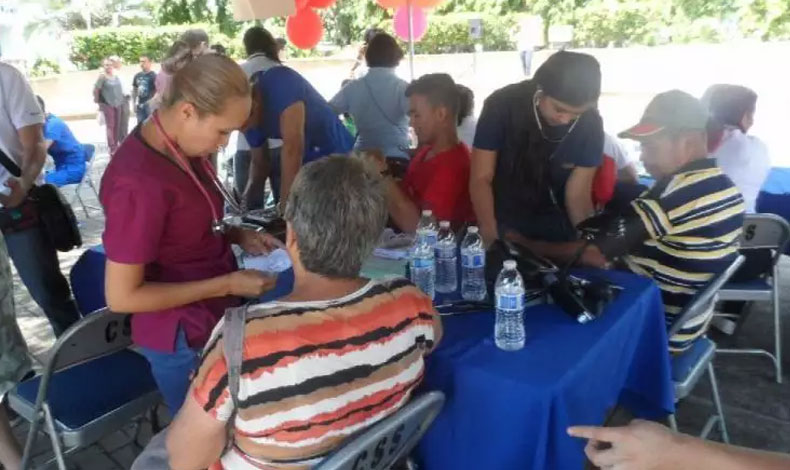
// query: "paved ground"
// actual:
[[757, 409]]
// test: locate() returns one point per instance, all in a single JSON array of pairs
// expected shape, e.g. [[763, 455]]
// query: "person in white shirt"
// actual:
[[262, 54], [744, 158], [624, 162], [33, 254]]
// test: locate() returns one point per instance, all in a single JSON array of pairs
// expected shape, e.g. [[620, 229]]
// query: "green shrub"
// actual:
[[450, 33], [622, 24], [89, 48], [44, 68]]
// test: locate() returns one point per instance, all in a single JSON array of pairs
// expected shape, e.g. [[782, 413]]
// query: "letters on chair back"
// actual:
[[96, 335]]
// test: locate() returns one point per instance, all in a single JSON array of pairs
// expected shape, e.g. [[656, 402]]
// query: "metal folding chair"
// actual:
[[389, 440], [90, 154], [689, 366], [92, 385], [762, 231]]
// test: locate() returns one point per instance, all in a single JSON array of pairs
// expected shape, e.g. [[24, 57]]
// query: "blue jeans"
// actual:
[[142, 110], [173, 370], [36, 261], [526, 61]]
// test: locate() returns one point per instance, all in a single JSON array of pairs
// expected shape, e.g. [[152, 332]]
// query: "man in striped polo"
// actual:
[[691, 219]]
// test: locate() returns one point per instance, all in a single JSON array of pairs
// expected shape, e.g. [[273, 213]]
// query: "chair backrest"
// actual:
[[90, 151], [87, 280], [705, 297], [99, 334], [389, 440], [767, 231]]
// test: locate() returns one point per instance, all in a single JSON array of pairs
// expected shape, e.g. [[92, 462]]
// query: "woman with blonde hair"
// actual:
[[169, 259], [190, 44]]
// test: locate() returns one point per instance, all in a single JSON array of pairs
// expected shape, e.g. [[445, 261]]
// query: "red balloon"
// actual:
[[301, 4], [304, 29], [320, 3], [426, 3], [391, 3]]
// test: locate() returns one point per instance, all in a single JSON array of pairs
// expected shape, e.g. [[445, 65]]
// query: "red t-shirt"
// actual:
[[157, 216], [441, 184], [604, 182]]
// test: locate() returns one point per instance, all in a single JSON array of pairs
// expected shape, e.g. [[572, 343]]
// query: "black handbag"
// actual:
[[55, 215]]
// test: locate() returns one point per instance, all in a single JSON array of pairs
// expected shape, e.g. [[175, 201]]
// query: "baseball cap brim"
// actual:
[[641, 130]]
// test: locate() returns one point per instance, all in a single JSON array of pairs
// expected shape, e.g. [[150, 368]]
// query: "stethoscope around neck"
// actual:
[[218, 224]]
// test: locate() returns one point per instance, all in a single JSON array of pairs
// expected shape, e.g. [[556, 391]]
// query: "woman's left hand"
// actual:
[[257, 243]]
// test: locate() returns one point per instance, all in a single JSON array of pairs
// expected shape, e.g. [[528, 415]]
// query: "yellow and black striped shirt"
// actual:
[[694, 221]]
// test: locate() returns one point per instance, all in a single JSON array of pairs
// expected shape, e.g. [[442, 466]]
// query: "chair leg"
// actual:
[[777, 326], [84, 207], [673, 423], [717, 402], [53, 436]]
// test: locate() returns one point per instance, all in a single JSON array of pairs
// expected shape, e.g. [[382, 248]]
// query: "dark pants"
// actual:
[[123, 120], [241, 174], [142, 111], [756, 264], [36, 261], [526, 61]]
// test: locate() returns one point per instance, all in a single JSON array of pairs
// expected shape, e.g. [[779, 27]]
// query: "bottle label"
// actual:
[[510, 302], [445, 252], [421, 263], [473, 261]]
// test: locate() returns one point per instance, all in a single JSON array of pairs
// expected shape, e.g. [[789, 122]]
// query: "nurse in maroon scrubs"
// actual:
[[169, 260]]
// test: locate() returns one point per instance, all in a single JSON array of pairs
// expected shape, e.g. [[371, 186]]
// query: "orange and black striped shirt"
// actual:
[[313, 373]]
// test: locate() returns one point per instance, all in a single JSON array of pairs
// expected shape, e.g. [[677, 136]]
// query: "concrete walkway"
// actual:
[[757, 409]]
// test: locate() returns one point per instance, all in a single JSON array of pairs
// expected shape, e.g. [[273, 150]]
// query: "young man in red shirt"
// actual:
[[438, 175]]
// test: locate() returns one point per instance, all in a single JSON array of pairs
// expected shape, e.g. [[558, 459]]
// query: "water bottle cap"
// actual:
[[510, 264], [427, 212], [444, 224], [472, 229]]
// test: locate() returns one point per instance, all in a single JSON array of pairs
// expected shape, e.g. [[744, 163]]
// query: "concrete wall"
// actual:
[[631, 76]]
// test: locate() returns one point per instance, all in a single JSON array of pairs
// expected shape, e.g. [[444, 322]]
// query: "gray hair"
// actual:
[[337, 209]]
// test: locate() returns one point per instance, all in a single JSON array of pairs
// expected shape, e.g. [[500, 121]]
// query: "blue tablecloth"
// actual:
[[774, 197], [509, 410]]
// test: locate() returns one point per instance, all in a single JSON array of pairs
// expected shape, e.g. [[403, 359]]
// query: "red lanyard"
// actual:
[[181, 161]]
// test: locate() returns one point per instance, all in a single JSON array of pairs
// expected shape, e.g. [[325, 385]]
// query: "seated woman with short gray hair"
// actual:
[[335, 356]]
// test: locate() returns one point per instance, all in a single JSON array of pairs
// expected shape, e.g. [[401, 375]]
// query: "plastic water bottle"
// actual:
[[427, 228], [422, 268], [446, 259], [509, 292], [473, 265]]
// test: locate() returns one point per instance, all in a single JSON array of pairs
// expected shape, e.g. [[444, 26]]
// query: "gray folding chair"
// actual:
[[90, 157], [762, 231], [389, 440], [689, 366], [92, 385]]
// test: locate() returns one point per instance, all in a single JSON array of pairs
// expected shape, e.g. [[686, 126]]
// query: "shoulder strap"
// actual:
[[233, 335]]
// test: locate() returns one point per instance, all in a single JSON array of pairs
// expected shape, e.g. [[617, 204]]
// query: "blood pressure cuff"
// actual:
[[615, 234]]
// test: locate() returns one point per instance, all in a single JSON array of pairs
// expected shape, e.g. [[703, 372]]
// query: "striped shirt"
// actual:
[[314, 373], [694, 221]]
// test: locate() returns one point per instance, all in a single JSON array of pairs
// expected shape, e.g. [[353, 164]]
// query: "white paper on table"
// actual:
[[275, 262]]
